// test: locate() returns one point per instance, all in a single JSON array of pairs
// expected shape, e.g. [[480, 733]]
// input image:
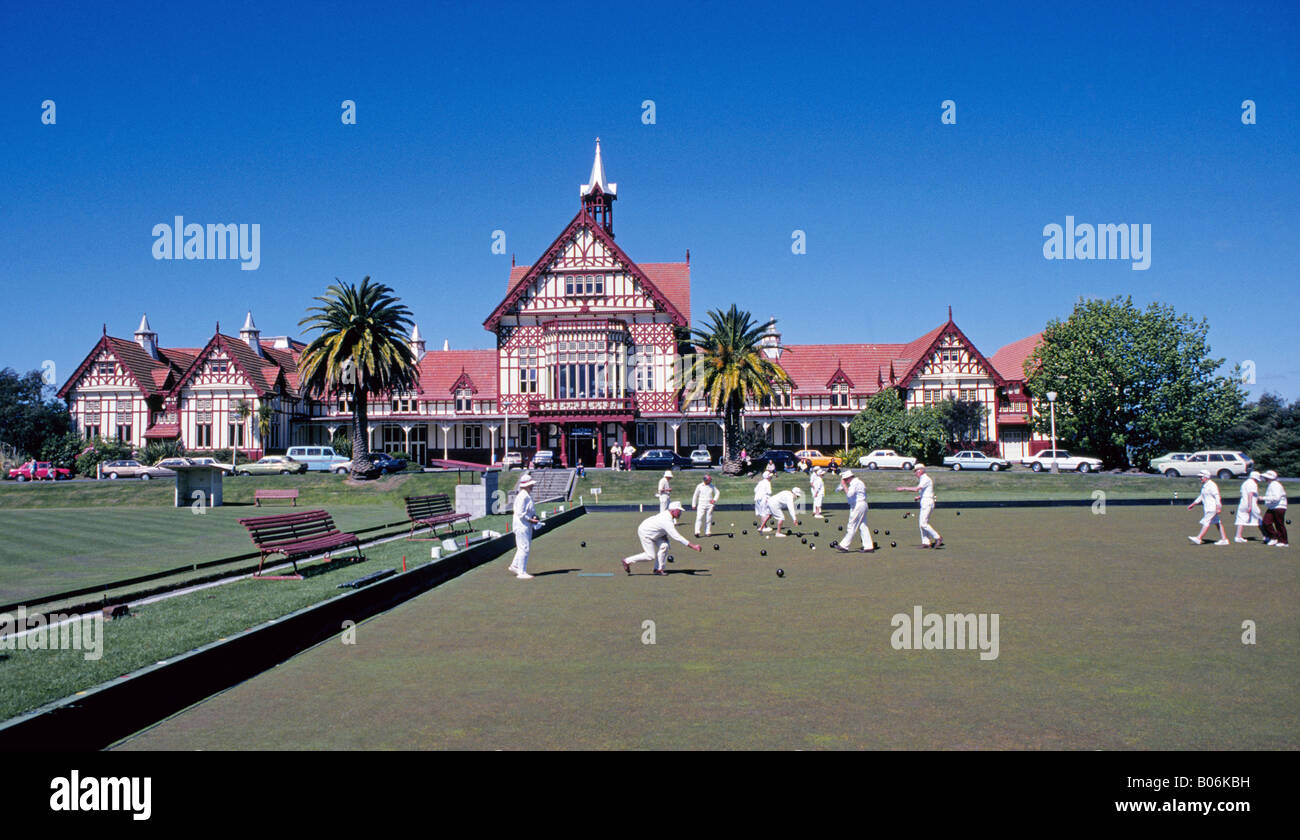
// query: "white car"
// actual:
[[213, 462], [1221, 464], [701, 458], [886, 459], [1064, 461], [973, 459]]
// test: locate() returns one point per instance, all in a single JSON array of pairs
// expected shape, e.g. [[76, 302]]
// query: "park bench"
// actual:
[[431, 511], [297, 535], [267, 493]]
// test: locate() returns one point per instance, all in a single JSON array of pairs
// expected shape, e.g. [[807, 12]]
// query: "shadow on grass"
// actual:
[[555, 572], [333, 565]]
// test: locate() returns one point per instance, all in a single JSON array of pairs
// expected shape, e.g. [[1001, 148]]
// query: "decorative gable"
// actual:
[[463, 382]]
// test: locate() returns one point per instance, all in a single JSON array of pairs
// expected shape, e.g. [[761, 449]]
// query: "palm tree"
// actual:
[[361, 350], [242, 410], [264, 416], [730, 369]]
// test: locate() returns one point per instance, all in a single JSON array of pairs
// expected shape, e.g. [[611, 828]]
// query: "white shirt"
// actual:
[[762, 489], [926, 486], [1249, 492], [818, 484], [856, 492], [664, 489], [786, 498], [1209, 497], [524, 511], [705, 494], [616, 449], [659, 526], [628, 450], [1275, 496]]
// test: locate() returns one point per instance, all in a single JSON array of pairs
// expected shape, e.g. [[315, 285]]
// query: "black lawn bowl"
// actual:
[[715, 546], [817, 533], [877, 531], [886, 533], [745, 532], [670, 558], [804, 541], [762, 552], [959, 513], [893, 544], [780, 573], [584, 544]]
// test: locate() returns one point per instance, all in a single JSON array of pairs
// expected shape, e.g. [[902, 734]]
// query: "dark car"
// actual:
[[387, 463], [660, 459], [783, 460]]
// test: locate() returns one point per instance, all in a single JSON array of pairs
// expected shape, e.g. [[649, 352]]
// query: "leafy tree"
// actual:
[[729, 369], [342, 445], [962, 419], [99, 450], [265, 415], [1269, 432], [62, 450], [361, 350], [28, 417], [885, 423], [155, 450], [1131, 383]]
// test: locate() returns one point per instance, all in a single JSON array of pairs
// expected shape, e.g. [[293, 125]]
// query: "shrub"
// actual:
[[342, 445], [99, 450], [62, 450], [156, 450]]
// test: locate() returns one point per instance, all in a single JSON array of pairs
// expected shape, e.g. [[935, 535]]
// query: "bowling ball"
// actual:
[[877, 531], [584, 543], [959, 513], [670, 558], [745, 532], [893, 544], [886, 533], [780, 572], [817, 533], [763, 552], [715, 546], [804, 540]]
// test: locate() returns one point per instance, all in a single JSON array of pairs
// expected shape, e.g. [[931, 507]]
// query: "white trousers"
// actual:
[[651, 549], [858, 523], [704, 516], [817, 501], [664, 499], [523, 545], [928, 534]]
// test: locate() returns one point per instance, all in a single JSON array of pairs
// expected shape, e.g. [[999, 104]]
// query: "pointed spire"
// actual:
[[105, 328], [248, 322], [950, 313], [146, 337], [446, 345], [598, 194], [251, 335], [415, 333], [144, 325], [416, 343]]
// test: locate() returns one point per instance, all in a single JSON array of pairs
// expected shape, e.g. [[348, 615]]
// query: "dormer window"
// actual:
[[584, 285], [464, 399], [839, 396]]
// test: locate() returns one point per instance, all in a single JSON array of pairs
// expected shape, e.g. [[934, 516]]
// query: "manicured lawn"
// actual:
[[1115, 633]]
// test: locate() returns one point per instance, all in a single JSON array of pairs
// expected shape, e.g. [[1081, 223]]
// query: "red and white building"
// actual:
[[588, 350]]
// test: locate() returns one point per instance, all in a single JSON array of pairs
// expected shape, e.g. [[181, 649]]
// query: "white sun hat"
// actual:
[[668, 473], [796, 492], [1270, 475], [846, 474], [819, 471], [1203, 474], [525, 482], [674, 506]]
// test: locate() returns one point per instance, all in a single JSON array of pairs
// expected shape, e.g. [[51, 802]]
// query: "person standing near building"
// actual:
[[523, 522], [762, 497], [924, 490], [1275, 510], [1248, 507], [665, 491], [654, 534], [817, 485], [856, 492], [786, 499], [628, 451], [615, 455], [1213, 505], [705, 497]]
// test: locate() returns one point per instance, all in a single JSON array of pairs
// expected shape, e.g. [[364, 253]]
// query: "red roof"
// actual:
[[673, 279], [440, 369], [1010, 360], [811, 366]]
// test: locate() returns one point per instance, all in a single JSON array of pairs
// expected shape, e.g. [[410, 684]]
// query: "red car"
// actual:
[[39, 471]]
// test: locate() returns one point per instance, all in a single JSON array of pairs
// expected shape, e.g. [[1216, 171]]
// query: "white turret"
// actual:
[[251, 335], [146, 337], [417, 343], [771, 341]]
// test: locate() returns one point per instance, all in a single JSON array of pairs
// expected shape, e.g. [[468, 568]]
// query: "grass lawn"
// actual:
[[69, 535], [639, 486], [1115, 633]]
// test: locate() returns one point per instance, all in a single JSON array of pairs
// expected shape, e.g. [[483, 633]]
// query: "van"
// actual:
[[317, 458]]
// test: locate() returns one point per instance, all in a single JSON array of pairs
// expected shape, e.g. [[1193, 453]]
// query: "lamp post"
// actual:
[[1051, 401]]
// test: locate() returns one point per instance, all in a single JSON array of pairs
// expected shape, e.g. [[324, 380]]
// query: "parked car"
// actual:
[[886, 459], [973, 459], [543, 459], [345, 468], [1064, 461], [660, 459], [701, 458], [816, 459], [513, 460], [213, 462], [317, 458], [272, 465], [1221, 463], [1159, 464], [169, 463], [387, 463], [40, 471], [129, 468], [781, 459]]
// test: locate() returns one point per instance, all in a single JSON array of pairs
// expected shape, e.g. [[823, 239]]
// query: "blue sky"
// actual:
[[474, 117]]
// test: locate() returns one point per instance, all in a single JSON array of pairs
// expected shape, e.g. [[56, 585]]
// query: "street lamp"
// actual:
[[1051, 401]]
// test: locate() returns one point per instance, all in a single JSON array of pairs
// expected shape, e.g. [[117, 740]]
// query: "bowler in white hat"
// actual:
[[1213, 506], [664, 493], [523, 522], [654, 533], [817, 486]]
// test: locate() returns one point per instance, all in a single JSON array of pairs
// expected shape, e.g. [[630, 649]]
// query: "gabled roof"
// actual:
[[152, 376], [441, 370], [919, 352], [1010, 360], [676, 275], [810, 365], [264, 373]]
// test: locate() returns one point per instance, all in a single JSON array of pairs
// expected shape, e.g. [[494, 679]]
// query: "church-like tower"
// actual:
[[598, 195]]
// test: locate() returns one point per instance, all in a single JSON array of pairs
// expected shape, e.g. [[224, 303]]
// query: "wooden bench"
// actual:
[[431, 511], [297, 535], [259, 495]]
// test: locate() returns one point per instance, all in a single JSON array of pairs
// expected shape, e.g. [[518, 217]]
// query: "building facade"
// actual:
[[589, 347]]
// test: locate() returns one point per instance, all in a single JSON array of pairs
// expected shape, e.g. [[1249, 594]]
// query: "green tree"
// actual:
[[62, 450], [361, 350], [28, 414], [1131, 383], [1269, 432], [962, 419], [885, 423], [265, 414], [729, 369], [242, 410], [99, 450]]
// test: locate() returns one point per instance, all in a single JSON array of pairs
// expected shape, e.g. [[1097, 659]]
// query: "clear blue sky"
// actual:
[[474, 117]]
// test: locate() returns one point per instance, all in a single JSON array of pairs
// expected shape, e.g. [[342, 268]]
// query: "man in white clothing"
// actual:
[[924, 490], [615, 455], [786, 500], [1274, 525], [523, 522], [665, 491], [856, 492], [1248, 506], [817, 485], [654, 534], [705, 497], [762, 499], [1213, 505]]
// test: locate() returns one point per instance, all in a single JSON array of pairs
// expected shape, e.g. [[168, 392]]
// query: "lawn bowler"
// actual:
[[1275, 511], [924, 490], [1248, 514], [654, 533], [762, 499], [1213, 505], [817, 485], [705, 497], [523, 522], [785, 500], [856, 492], [665, 491]]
